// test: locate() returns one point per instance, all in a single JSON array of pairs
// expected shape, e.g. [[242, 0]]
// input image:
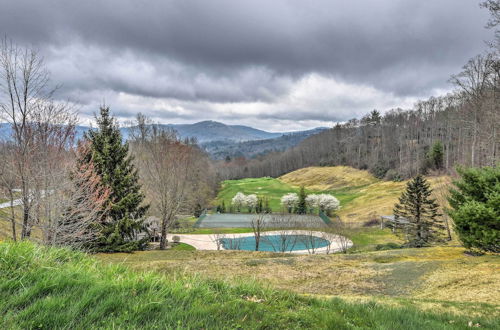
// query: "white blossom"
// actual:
[[328, 202], [290, 200], [251, 201], [312, 201], [239, 200]]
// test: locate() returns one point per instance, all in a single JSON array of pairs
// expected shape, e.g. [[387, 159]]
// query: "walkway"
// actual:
[[7, 204], [208, 242]]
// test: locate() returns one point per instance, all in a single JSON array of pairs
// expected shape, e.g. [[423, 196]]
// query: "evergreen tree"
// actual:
[[436, 156], [302, 205], [415, 206], [259, 207], [267, 207], [475, 209], [223, 207], [125, 209], [198, 210]]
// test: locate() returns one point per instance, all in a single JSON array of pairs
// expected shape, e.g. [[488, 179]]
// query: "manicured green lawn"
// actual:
[[56, 288], [367, 239], [182, 247], [273, 189]]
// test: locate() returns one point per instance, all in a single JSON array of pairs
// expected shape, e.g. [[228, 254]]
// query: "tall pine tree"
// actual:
[[421, 212], [125, 209], [475, 208], [301, 205]]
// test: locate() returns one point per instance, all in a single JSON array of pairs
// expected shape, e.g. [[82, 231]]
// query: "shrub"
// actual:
[[393, 175], [379, 171], [476, 208], [387, 246], [372, 222], [176, 239]]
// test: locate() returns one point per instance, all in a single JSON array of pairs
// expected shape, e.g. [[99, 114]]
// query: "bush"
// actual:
[[476, 208], [379, 171], [393, 175], [176, 239], [387, 246], [372, 222], [198, 210]]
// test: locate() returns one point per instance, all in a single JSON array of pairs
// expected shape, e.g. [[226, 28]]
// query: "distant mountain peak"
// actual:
[[204, 131]]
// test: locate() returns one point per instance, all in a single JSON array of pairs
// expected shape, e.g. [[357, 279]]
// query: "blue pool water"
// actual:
[[275, 243]]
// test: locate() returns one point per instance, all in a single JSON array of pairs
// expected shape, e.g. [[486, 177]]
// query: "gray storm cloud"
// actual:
[[254, 61]]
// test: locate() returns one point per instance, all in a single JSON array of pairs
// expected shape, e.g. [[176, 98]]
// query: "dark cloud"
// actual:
[[236, 52]]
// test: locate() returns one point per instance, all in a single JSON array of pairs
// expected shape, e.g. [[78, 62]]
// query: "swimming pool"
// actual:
[[275, 243]]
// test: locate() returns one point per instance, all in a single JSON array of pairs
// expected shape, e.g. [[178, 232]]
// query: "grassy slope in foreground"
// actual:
[[54, 288]]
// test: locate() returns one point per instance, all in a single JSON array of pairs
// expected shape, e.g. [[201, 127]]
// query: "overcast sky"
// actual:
[[278, 65]]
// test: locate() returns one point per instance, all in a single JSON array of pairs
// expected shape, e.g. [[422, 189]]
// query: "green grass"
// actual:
[[367, 239], [182, 247], [362, 197], [56, 288], [273, 189]]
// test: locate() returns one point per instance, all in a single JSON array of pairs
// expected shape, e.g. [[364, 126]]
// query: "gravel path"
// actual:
[[7, 204]]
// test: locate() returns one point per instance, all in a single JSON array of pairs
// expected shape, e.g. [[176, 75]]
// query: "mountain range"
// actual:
[[220, 140]]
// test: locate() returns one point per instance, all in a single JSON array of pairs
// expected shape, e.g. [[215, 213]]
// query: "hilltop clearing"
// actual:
[[329, 178]]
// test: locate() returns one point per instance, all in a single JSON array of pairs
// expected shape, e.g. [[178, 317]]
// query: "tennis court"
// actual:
[[242, 220]]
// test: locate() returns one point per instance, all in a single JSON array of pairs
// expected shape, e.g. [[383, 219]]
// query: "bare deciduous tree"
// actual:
[[174, 174], [78, 207], [283, 227], [258, 224], [41, 128], [8, 182], [217, 237]]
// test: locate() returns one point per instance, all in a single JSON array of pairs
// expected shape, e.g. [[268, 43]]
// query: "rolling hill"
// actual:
[[362, 196], [218, 139], [254, 148]]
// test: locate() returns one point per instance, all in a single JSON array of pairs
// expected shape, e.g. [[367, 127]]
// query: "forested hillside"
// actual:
[[438, 133]]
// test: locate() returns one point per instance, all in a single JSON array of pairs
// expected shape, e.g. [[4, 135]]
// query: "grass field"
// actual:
[[56, 288], [272, 189], [439, 278], [362, 197]]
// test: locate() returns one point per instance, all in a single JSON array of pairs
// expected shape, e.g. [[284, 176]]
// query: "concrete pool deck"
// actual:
[[207, 242]]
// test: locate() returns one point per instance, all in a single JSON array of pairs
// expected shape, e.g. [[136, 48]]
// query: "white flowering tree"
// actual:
[[289, 201], [239, 201], [324, 202], [251, 202], [328, 203], [312, 202]]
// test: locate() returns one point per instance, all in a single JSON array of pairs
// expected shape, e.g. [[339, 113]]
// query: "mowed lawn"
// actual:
[[362, 196], [273, 189]]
